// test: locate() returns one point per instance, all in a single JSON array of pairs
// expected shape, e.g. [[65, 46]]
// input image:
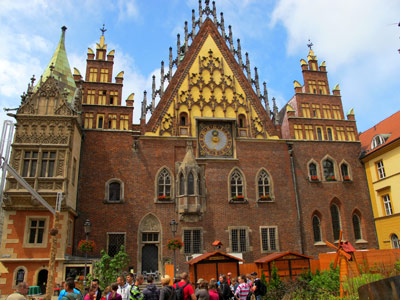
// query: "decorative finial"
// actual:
[[239, 53], [248, 67], [266, 101], [193, 24], [153, 94], [162, 79], [256, 82], [222, 25], [64, 28], [170, 65], [33, 80], [178, 49], [275, 108], [103, 30], [200, 14], [230, 39], [186, 37], [215, 13], [309, 45]]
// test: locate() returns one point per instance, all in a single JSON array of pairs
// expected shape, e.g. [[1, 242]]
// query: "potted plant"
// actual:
[[266, 197], [238, 197], [330, 178], [163, 197], [346, 178], [86, 246], [314, 178], [174, 244]]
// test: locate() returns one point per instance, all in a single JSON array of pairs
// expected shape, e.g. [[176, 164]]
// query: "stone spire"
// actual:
[[59, 68]]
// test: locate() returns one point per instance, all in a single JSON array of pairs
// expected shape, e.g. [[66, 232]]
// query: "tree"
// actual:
[[107, 269]]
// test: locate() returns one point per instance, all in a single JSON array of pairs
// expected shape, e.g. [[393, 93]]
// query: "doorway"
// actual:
[[42, 281], [149, 258]]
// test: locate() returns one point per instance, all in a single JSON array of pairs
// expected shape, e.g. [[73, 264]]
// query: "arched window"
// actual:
[[114, 191], [330, 135], [183, 120], [316, 223], [190, 184], [329, 170], [236, 181], [357, 227], [319, 133], [263, 186], [335, 222], [312, 169], [181, 184], [242, 121], [164, 184], [395, 241], [345, 171], [20, 276]]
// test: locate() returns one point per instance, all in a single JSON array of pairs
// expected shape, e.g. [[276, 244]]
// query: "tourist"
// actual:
[[70, 293], [123, 288], [225, 288], [151, 292], [188, 292], [91, 295], [202, 290], [212, 290], [130, 279], [135, 293], [96, 285], [243, 289], [167, 291], [105, 293], [63, 291], [20, 293], [113, 295]]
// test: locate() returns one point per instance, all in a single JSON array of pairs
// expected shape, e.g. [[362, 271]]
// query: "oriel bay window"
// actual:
[[30, 163], [48, 162]]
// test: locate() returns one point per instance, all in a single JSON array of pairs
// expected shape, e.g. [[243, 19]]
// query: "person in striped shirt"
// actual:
[[243, 289]]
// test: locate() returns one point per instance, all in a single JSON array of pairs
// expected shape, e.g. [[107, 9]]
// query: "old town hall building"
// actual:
[[215, 155]]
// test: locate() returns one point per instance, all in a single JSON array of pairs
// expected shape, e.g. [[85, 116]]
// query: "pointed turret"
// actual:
[[59, 68]]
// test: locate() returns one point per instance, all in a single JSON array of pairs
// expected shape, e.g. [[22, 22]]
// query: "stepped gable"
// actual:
[[207, 29]]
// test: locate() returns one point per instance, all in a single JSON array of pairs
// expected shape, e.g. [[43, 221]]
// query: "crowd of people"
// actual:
[[129, 287]]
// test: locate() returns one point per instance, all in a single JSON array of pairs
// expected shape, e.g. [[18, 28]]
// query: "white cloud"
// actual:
[[127, 9]]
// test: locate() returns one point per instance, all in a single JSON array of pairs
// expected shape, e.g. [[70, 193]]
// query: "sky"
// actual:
[[358, 39]]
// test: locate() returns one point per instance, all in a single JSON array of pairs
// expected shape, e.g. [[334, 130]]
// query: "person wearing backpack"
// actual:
[[70, 293], [259, 289], [183, 288], [167, 292]]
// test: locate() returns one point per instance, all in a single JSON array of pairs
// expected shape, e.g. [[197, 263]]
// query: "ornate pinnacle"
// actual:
[[193, 24], [170, 65], [215, 13], [200, 14], [162, 79], [144, 107], [266, 101], [248, 67], [33, 79], [257, 84], [275, 111], [239, 53], [230, 39], [186, 37], [223, 26], [178, 50], [153, 94]]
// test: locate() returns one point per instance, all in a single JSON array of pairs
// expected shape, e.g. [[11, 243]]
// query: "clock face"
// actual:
[[215, 140]]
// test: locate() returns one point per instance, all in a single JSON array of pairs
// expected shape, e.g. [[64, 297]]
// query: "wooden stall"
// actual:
[[210, 265], [289, 264]]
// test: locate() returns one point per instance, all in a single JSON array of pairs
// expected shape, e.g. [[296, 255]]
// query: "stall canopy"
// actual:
[[210, 265], [289, 264]]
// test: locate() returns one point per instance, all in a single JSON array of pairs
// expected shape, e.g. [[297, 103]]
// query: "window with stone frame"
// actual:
[[395, 241], [237, 186], [114, 191], [114, 242], [164, 185], [20, 276], [192, 241], [190, 184], [36, 231], [336, 224], [312, 171], [316, 223], [320, 136], [239, 240], [48, 163], [181, 184], [329, 133], [123, 122], [269, 238], [329, 170], [30, 163], [344, 168], [357, 227], [263, 185]]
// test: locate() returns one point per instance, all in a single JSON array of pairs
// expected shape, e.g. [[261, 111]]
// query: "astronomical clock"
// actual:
[[215, 139]]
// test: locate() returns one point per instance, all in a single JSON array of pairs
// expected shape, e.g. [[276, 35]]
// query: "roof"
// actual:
[[209, 254], [61, 69], [276, 255], [390, 128]]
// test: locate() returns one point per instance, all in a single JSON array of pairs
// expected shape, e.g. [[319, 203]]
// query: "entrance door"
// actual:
[[149, 258], [42, 281]]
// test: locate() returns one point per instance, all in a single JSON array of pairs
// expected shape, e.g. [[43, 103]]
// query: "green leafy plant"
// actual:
[[174, 244], [107, 269]]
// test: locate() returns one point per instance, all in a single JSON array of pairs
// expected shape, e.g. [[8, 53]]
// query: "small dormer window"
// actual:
[[377, 141]]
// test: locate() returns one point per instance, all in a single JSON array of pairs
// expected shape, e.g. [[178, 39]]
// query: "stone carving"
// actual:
[[150, 223], [16, 159], [167, 124]]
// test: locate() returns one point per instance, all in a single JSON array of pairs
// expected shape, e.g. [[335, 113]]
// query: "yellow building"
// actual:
[[381, 157]]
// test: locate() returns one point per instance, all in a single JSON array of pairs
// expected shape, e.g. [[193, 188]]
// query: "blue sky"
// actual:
[[358, 39]]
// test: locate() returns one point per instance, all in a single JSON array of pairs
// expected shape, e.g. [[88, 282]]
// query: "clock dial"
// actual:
[[215, 139]]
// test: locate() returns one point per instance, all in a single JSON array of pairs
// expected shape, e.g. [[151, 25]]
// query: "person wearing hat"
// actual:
[[201, 292], [256, 286]]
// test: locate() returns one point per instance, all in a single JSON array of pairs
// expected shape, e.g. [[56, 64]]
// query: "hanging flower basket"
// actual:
[[86, 246], [174, 244]]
